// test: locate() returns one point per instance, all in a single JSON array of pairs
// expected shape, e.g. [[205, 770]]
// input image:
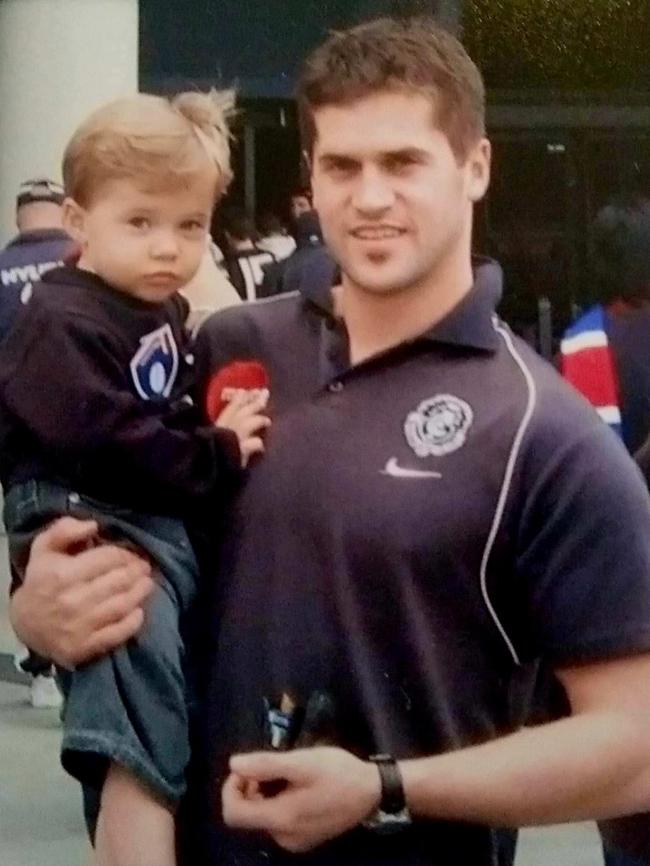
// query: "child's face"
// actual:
[[146, 244]]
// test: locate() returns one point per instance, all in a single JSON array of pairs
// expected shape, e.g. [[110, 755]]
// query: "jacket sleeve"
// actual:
[[61, 379]]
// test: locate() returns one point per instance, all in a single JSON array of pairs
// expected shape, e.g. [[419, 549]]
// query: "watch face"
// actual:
[[388, 822]]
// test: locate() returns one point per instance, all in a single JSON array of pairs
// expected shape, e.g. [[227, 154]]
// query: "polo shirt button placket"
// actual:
[[335, 387]]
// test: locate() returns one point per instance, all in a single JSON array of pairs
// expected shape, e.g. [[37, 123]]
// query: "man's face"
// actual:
[[39, 215], [395, 206], [300, 204], [146, 244]]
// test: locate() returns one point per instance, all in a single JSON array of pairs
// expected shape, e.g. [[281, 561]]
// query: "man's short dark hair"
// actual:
[[270, 224], [621, 250], [414, 55], [238, 224]]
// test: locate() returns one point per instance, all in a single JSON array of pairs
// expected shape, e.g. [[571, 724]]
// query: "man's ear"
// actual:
[[74, 221], [478, 165]]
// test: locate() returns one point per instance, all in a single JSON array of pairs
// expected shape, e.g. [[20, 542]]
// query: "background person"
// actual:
[[310, 264], [300, 203], [244, 259], [40, 245], [605, 354], [274, 237]]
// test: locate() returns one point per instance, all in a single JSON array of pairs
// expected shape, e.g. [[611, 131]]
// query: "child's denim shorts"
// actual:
[[130, 706]]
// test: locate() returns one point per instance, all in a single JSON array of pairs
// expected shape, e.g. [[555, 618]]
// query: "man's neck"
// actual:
[[377, 322]]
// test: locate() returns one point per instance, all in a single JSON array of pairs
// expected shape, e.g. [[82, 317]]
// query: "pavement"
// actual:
[[40, 807]]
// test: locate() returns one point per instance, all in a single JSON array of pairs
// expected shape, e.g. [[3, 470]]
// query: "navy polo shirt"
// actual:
[[422, 526]]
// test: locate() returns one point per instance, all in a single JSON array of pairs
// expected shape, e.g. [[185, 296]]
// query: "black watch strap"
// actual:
[[392, 789]]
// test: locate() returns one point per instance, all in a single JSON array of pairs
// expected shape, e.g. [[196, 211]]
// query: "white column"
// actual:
[[59, 59]]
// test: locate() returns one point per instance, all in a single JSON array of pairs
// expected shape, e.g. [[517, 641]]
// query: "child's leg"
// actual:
[[134, 828], [126, 734]]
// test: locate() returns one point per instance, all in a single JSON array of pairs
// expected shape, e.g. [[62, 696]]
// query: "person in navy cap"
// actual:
[[40, 245], [432, 516]]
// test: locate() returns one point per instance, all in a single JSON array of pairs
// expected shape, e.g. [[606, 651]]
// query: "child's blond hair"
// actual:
[[157, 141]]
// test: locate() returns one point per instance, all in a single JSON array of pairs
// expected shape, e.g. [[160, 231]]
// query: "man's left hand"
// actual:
[[328, 791]]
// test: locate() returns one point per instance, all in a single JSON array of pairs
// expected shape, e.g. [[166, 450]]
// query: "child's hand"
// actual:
[[244, 416]]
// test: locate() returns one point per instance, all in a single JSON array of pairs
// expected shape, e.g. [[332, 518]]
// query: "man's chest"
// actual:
[[409, 458]]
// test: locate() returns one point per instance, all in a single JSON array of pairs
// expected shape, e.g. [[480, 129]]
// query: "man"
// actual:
[[605, 353], [275, 237], [244, 259], [300, 203], [41, 244], [431, 514], [309, 264]]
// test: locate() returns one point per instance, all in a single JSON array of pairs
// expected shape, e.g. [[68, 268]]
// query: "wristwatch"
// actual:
[[393, 814]]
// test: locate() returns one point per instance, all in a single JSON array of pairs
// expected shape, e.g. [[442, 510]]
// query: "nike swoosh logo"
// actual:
[[393, 469]]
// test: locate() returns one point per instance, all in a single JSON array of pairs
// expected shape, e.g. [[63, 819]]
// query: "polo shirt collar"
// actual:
[[468, 324]]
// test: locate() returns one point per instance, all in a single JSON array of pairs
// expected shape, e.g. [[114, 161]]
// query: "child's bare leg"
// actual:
[[133, 828]]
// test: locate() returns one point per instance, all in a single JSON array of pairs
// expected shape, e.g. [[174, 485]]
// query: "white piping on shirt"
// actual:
[[507, 479]]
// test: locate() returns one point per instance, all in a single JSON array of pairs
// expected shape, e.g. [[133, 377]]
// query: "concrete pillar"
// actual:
[[59, 59]]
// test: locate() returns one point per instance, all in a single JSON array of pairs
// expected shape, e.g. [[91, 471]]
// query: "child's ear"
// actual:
[[74, 221]]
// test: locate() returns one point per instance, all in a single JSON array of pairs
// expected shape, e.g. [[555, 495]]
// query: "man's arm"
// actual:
[[73, 606], [594, 764]]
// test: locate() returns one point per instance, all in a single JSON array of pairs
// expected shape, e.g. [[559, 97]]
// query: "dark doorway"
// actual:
[[277, 152], [546, 189], [267, 184], [529, 224], [617, 164]]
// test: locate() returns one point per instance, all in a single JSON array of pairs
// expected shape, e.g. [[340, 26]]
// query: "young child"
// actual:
[[96, 420]]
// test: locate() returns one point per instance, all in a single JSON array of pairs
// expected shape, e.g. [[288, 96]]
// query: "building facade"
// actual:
[[568, 104], [568, 112]]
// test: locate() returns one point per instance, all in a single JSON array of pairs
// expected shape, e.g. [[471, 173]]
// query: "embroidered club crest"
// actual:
[[155, 365], [438, 426]]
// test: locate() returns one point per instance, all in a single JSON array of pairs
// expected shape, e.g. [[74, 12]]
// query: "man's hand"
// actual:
[[328, 791], [71, 606]]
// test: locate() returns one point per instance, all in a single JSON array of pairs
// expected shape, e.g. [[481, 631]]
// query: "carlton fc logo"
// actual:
[[155, 365], [438, 426]]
